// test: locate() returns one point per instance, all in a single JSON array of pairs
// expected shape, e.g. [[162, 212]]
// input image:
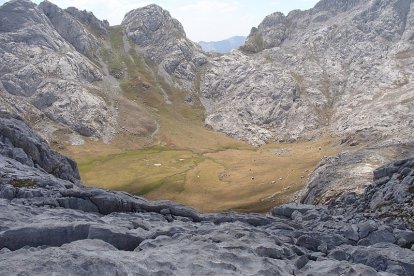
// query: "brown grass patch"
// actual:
[[245, 179], [184, 161]]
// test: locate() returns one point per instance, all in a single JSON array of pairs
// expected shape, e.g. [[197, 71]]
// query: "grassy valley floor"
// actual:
[[163, 151], [239, 178]]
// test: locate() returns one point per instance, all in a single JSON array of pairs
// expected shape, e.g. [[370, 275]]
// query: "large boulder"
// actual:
[[19, 142]]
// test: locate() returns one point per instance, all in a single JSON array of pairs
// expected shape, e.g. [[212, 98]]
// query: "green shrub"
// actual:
[[23, 183]]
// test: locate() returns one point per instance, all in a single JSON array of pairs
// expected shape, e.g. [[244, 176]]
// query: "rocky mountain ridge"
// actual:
[[53, 73], [162, 40], [43, 76], [330, 69], [343, 69], [110, 233]]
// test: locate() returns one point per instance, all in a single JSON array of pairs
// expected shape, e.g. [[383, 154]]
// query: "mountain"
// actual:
[[63, 70], [162, 41], [52, 73], [223, 46], [333, 84], [332, 69], [341, 70]]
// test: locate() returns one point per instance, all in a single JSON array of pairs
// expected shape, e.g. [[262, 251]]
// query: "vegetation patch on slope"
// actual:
[[182, 160]]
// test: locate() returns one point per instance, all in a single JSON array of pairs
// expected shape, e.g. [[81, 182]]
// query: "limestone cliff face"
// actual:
[[73, 30], [162, 40], [54, 68], [45, 73], [341, 67]]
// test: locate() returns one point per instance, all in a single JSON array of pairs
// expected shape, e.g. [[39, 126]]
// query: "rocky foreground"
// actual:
[[343, 69], [51, 224]]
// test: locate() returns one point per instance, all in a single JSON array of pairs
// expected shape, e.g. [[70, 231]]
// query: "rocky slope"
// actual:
[[339, 68], [107, 233], [343, 69], [332, 69], [44, 73], [349, 171], [67, 72], [52, 72], [162, 41]]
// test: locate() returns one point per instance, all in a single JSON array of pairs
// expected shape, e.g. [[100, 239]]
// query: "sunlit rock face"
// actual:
[[339, 68], [343, 69], [48, 68], [162, 40]]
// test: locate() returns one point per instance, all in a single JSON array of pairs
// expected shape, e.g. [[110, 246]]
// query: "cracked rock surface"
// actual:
[[48, 68], [161, 40], [51, 223], [344, 68], [340, 68]]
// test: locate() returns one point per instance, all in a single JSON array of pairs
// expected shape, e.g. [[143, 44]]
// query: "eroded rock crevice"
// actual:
[[50, 218]]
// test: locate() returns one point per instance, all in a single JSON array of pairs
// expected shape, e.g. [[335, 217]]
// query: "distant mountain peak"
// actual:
[[223, 46], [152, 23]]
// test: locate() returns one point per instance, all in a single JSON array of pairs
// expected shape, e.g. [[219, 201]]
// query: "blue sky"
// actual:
[[202, 19]]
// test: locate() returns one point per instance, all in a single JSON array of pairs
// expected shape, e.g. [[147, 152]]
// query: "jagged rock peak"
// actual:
[[84, 17], [75, 30], [272, 19], [275, 28], [153, 24], [16, 14], [162, 41], [88, 18], [12, 4], [18, 3]]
